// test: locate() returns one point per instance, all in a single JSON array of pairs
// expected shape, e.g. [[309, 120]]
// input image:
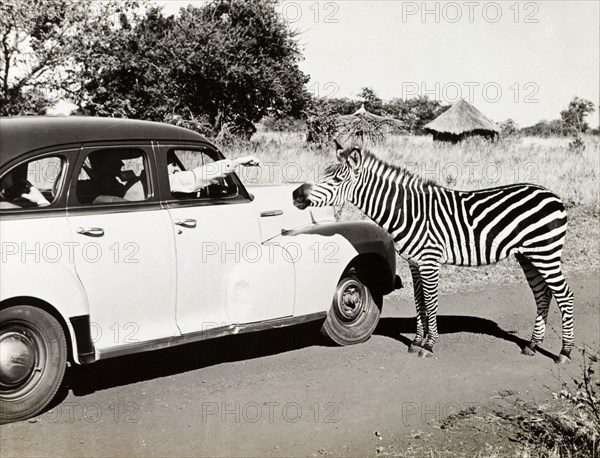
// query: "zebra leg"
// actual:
[[542, 296], [550, 270], [430, 276], [417, 343]]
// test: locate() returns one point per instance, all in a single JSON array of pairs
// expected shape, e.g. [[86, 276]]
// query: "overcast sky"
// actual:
[[521, 60]]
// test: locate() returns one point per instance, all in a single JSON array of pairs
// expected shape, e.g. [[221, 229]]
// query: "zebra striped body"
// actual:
[[432, 225]]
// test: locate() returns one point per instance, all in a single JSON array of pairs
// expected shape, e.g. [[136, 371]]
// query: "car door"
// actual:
[[124, 250], [34, 234], [225, 274]]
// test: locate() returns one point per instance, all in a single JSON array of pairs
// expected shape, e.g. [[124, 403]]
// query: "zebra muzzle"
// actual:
[[300, 196]]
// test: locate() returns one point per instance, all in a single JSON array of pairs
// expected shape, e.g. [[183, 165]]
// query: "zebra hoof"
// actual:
[[562, 359], [527, 350], [424, 353], [415, 346]]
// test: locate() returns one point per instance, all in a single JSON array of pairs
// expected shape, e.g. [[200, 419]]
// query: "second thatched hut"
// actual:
[[460, 121]]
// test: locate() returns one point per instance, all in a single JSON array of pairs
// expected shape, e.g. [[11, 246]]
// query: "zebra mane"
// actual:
[[401, 171], [331, 168]]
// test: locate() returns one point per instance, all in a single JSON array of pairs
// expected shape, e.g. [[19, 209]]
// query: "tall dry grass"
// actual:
[[475, 164]]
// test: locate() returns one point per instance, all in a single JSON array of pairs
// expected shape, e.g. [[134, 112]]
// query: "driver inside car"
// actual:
[[17, 192], [188, 181]]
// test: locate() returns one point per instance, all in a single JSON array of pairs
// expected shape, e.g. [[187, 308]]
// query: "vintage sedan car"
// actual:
[[87, 275]]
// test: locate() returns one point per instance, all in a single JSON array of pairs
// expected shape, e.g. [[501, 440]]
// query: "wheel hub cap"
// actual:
[[351, 303], [17, 358]]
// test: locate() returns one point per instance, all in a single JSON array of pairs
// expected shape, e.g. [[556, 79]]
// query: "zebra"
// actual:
[[432, 225]]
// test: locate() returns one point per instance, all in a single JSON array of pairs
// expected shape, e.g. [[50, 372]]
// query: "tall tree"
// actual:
[[575, 114], [372, 102], [39, 40], [124, 70], [228, 61]]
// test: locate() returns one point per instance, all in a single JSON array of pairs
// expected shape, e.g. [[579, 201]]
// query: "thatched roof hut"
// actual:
[[363, 123], [460, 121]]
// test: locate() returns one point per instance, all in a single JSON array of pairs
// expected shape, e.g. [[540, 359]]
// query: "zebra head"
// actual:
[[336, 184]]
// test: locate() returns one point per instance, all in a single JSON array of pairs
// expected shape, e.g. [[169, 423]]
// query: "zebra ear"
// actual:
[[355, 159]]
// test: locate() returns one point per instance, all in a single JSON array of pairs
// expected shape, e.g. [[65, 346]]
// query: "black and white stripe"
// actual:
[[432, 225]]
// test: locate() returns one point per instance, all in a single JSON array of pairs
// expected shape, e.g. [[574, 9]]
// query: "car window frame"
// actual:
[[68, 155], [161, 150], [86, 149]]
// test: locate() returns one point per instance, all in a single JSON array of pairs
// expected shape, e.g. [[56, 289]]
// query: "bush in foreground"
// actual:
[[569, 428]]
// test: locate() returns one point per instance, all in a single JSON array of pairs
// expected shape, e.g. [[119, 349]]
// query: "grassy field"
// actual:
[[471, 165]]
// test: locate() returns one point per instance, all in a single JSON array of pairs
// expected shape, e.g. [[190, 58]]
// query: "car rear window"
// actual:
[[33, 184]]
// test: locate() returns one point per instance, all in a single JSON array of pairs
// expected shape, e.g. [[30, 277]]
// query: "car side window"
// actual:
[[112, 176], [199, 174], [33, 184]]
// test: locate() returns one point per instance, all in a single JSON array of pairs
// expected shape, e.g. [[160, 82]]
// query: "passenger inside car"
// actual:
[[107, 181], [17, 192]]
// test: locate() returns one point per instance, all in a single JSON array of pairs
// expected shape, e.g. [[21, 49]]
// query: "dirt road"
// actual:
[[283, 393]]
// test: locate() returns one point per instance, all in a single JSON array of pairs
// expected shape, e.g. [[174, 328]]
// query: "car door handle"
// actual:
[[91, 231], [268, 213], [186, 222]]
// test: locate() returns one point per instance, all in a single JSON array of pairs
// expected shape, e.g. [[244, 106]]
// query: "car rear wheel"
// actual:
[[33, 358], [354, 313]]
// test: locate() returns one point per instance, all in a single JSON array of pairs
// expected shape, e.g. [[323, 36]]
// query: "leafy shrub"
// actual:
[[577, 145], [286, 124], [509, 129], [320, 123], [198, 124], [573, 430]]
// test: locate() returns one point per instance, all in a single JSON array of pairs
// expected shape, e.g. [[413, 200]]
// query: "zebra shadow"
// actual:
[[396, 328]]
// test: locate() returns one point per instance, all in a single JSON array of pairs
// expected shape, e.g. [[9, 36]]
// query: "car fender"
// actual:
[[319, 261], [48, 286], [332, 248]]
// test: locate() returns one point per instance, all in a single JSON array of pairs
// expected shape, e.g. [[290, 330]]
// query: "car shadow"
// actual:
[[395, 328], [125, 370], [139, 367]]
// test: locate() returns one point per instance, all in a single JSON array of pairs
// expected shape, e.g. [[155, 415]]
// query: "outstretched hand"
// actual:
[[248, 161]]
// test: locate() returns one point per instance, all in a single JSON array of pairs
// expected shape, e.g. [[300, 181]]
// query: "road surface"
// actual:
[[285, 393]]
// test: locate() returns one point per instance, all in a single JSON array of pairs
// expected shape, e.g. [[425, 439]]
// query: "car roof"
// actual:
[[20, 135]]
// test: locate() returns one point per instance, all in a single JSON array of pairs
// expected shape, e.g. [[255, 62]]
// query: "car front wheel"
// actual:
[[354, 314], [33, 357]]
